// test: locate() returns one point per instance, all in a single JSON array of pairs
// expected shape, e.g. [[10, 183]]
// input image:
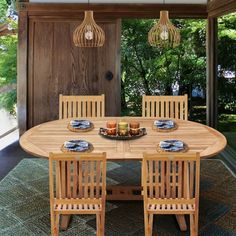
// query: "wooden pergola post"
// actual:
[[215, 8], [212, 98]]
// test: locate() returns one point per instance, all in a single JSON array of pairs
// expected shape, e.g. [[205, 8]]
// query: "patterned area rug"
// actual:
[[24, 203]]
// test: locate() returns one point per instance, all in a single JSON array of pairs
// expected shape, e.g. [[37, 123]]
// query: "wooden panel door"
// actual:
[[56, 66]]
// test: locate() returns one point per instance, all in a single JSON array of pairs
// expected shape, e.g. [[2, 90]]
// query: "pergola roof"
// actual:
[[125, 1]]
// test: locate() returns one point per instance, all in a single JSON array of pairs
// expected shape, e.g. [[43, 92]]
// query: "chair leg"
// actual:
[[146, 223], [57, 218], [103, 222], [54, 224], [192, 225], [196, 222], [98, 219], [150, 223]]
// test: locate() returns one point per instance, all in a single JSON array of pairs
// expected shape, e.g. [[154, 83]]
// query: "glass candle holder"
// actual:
[[123, 128], [111, 127], [134, 128]]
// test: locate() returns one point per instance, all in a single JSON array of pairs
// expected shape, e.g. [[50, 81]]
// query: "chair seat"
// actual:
[[171, 208], [78, 208]]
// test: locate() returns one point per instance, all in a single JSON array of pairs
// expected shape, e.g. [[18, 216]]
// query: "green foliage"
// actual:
[[227, 62], [149, 70], [8, 51]]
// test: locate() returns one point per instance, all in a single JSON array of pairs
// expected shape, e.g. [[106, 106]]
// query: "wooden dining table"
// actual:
[[50, 137]]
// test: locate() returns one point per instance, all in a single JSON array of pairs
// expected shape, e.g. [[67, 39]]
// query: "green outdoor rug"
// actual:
[[24, 203]]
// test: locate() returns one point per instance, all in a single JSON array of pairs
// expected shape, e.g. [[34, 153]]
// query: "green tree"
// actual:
[[149, 70], [227, 63], [8, 51]]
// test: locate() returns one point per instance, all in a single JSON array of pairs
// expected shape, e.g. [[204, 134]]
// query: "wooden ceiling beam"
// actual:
[[217, 8], [116, 10]]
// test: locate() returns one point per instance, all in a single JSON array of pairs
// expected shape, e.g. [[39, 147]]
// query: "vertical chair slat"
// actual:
[[80, 109], [150, 171], [186, 180], [98, 176], [167, 179], [69, 109], [92, 179], [89, 112], [181, 110], [75, 178], [63, 179], [74, 115], [58, 180], [93, 109], [65, 111], [162, 179], [191, 178], [152, 109], [99, 112], [68, 179], [173, 179], [180, 179], [85, 183], [81, 187], [162, 108], [84, 109], [167, 114], [157, 182]]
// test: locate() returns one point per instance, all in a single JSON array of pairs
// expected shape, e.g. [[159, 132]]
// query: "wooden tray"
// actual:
[[154, 127], [65, 150], [102, 132], [71, 128]]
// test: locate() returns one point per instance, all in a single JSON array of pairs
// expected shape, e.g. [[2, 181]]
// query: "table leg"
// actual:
[[65, 220], [182, 222]]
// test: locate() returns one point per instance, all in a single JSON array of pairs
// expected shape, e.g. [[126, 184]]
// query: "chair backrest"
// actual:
[[175, 107], [168, 175], [77, 175], [81, 106]]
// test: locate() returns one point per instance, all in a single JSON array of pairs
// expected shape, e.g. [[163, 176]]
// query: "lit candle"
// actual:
[[134, 127], [123, 128], [111, 127]]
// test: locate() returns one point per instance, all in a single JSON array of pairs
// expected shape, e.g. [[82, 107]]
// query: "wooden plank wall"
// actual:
[[56, 66]]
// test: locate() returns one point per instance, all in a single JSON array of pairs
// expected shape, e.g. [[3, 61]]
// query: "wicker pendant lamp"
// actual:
[[88, 34], [164, 34]]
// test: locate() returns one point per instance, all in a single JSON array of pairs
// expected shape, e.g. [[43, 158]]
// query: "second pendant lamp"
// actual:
[[88, 34], [164, 34]]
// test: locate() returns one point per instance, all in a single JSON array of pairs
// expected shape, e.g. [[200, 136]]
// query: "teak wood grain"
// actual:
[[50, 136], [56, 66], [80, 187], [171, 186]]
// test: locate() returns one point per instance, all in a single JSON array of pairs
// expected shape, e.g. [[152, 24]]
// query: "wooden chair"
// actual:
[[171, 186], [81, 106], [80, 187], [175, 107]]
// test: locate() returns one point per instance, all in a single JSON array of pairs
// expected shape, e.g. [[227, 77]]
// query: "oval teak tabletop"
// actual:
[[49, 137]]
